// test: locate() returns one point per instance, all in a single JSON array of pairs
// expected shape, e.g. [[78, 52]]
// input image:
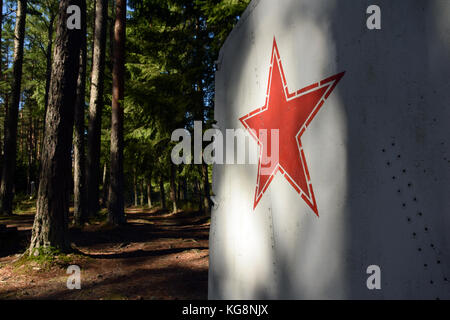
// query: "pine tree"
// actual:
[[9, 161], [51, 220], [116, 214], [96, 105], [80, 190]]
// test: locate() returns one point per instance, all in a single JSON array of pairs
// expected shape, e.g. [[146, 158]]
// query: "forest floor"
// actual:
[[155, 256]]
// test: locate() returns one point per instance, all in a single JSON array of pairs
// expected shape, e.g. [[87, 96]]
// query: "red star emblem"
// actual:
[[290, 113]]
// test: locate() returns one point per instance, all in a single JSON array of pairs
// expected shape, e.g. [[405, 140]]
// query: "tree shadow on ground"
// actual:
[[145, 227], [153, 256], [164, 283]]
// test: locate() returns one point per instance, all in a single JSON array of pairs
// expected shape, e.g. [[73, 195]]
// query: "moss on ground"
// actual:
[[46, 258]]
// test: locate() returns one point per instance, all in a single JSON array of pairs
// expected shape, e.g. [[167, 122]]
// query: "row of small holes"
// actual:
[[420, 214]]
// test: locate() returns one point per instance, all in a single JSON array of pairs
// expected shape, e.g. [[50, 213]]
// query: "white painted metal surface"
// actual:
[[378, 153]]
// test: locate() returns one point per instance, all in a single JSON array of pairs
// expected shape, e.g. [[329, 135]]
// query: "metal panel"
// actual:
[[377, 151]]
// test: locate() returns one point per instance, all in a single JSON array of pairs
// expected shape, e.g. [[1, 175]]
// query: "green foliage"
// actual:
[[171, 49]]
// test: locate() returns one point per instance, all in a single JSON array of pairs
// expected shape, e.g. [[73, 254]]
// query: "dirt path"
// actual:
[[154, 256]]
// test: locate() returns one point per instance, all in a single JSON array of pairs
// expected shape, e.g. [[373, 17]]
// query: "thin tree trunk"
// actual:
[[111, 35], [179, 198], [173, 187], [105, 185], [96, 106], [51, 220], [185, 190], [21, 143], [6, 104], [35, 139], [206, 193], [29, 148], [149, 192], [1, 28], [9, 164], [198, 191], [142, 190], [135, 189], [93, 33], [116, 186], [162, 193], [80, 195]]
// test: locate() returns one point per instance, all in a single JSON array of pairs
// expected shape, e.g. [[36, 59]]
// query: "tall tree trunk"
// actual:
[[6, 98], [5, 130], [96, 105], [35, 141], [135, 188], [206, 193], [198, 191], [149, 191], [29, 148], [105, 185], [173, 187], [179, 190], [111, 35], [50, 223], [162, 193], [116, 200], [185, 189], [93, 33], [9, 161], [142, 190], [80, 195], [48, 56], [1, 28]]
